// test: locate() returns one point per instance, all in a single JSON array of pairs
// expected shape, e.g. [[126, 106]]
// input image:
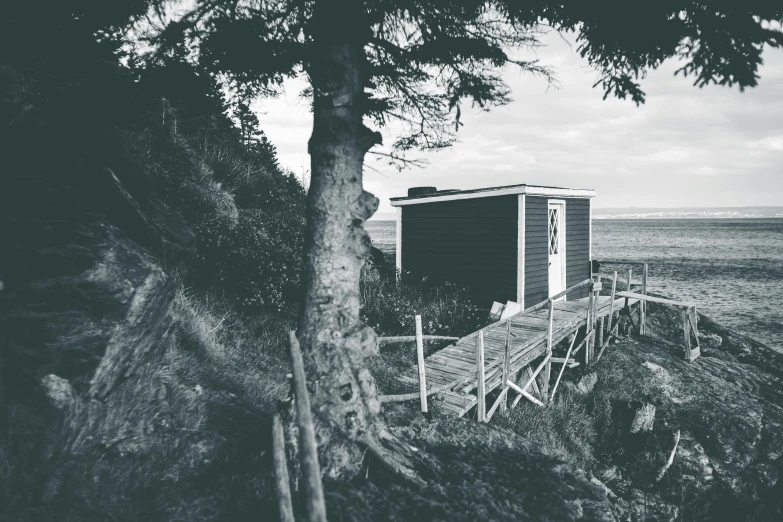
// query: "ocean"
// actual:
[[732, 269]]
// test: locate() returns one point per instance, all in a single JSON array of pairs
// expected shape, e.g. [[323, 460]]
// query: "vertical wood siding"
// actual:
[[472, 242], [537, 254], [536, 251], [577, 245]]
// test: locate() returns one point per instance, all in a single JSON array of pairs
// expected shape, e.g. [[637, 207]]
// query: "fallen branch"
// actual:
[[393, 458], [308, 451], [282, 487], [407, 338], [415, 395], [671, 458]]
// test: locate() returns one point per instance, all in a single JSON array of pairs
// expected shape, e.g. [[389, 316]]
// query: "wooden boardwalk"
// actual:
[[452, 371]]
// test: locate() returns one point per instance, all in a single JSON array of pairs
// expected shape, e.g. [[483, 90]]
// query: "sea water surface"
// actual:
[[732, 269]]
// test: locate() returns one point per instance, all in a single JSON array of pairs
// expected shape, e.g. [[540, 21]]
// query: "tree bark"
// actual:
[[335, 343]]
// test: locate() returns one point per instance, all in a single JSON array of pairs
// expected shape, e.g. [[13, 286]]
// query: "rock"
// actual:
[[376, 257], [587, 383], [647, 506], [609, 493], [709, 340], [611, 473], [59, 391], [644, 419], [694, 462]]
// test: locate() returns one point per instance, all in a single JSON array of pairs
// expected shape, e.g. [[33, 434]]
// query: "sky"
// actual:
[[685, 146]]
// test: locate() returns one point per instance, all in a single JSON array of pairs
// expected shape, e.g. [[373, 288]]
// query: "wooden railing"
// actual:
[[598, 332]]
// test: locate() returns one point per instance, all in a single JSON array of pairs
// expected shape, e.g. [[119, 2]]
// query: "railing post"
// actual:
[[588, 326], [420, 361], [611, 308], [308, 451], [282, 488], [548, 367], [643, 309], [630, 273], [506, 365], [596, 302], [686, 331], [481, 405], [600, 332]]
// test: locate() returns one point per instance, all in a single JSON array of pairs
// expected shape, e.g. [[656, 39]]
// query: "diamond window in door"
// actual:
[[554, 231]]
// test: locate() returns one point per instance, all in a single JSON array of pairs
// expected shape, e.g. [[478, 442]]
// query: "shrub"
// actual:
[[259, 261], [390, 304]]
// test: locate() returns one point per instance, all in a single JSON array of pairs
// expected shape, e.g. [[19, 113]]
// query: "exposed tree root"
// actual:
[[398, 457]]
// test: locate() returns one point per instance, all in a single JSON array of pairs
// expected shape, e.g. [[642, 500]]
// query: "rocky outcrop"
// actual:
[[721, 417], [536, 485]]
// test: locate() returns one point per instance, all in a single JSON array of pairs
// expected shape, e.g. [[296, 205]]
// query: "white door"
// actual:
[[557, 261]]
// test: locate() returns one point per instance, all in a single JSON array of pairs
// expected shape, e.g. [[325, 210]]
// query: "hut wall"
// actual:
[[472, 242]]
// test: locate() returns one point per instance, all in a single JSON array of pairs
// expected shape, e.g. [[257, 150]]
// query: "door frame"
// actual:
[[562, 240]]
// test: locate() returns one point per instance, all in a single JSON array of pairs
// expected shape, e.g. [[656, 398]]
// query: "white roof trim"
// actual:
[[500, 191]]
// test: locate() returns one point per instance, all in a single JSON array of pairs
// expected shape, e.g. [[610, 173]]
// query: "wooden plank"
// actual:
[[409, 338], [420, 362], [687, 332], [308, 450], [548, 368], [481, 412], [562, 369], [444, 374], [458, 404], [600, 331], [499, 401], [649, 298], [534, 383], [694, 324], [523, 393], [282, 486], [506, 364], [415, 395]]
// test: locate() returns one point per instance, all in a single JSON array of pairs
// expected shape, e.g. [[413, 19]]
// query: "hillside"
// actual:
[[150, 260]]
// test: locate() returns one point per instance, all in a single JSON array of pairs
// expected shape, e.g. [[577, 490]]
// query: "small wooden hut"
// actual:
[[520, 243]]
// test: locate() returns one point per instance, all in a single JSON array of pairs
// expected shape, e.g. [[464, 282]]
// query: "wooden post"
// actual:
[[588, 327], [308, 451], [562, 368], [601, 331], [611, 307], [695, 324], [643, 309], [420, 360], [548, 367], [481, 406], [596, 301], [686, 330], [282, 487], [630, 273], [506, 365]]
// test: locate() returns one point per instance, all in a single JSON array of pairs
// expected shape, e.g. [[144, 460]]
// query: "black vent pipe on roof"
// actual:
[[421, 191]]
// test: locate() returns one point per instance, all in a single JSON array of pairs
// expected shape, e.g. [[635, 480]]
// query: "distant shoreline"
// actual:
[[687, 217], [621, 217]]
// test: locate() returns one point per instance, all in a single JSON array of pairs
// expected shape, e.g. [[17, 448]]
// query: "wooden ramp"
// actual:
[[452, 371]]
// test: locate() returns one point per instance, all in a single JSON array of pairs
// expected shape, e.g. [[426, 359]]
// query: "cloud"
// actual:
[[571, 137]]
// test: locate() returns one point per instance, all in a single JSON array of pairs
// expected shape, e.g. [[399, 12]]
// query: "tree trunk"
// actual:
[[335, 343]]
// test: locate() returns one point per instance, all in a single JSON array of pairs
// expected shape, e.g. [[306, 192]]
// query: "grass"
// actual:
[[194, 429], [390, 305], [187, 439]]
